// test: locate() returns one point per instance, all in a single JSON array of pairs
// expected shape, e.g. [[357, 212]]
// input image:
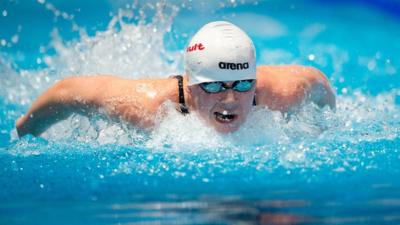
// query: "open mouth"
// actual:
[[224, 117]]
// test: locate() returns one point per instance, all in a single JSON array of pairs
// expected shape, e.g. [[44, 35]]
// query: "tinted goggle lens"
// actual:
[[216, 87], [243, 85]]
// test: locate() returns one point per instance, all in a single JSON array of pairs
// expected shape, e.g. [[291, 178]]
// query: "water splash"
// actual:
[[312, 139], [123, 49]]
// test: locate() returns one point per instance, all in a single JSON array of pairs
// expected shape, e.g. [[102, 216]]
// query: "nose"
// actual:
[[229, 96]]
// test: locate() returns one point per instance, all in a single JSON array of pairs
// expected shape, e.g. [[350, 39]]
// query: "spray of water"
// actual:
[[312, 138]]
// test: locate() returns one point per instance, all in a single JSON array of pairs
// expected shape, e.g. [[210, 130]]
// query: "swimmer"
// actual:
[[221, 84]]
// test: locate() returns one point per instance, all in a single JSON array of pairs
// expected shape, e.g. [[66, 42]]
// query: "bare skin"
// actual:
[[280, 88]]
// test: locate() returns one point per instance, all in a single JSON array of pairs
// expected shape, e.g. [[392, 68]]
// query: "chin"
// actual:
[[226, 128]]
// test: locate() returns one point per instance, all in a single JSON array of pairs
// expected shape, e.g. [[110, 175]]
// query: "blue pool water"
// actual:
[[320, 167]]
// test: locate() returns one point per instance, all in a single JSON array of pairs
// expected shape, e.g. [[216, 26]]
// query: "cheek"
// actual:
[[206, 104], [246, 101], [203, 103], [245, 98], [205, 100]]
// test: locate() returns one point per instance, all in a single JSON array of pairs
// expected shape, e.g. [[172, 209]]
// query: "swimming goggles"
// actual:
[[219, 86]]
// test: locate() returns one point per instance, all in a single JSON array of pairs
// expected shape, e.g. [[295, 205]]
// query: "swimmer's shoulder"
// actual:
[[281, 72], [282, 86], [289, 75]]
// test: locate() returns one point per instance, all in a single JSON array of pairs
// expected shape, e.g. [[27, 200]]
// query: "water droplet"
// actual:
[[41, 1], [15, 39], [3, 42], [311, 57], [371, 64], [378, 55], [65, 15], [205, 180], [48, 60], [42, 49], [41, 186], [4, 13]]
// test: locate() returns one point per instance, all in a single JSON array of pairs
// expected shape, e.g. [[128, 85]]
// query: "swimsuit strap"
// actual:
[[182, 105]]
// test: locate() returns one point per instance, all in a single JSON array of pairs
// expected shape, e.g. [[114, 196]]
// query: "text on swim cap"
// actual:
[[233, 66], [197, 46]]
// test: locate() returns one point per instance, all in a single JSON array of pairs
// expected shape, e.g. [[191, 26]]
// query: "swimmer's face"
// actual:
[[226, 110]]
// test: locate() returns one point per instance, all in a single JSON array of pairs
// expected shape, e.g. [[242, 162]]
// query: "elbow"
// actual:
[[84, 90], [62, 90], [72, 92]]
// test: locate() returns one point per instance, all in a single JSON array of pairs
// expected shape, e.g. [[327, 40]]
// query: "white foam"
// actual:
[[309, 139]]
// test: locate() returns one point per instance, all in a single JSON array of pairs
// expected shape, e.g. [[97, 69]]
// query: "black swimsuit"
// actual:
[[183, 108]]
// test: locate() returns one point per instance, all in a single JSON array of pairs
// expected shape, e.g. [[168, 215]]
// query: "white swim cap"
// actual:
[[220, 51]]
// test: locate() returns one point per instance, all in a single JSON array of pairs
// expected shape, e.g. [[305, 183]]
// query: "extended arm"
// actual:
[[75, 94]]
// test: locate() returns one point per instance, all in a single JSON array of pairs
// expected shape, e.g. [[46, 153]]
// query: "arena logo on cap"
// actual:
[[233, 66], [197, 46]]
